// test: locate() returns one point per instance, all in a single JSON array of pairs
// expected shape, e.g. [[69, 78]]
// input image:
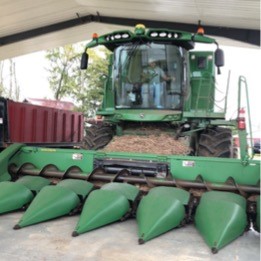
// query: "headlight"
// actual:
[[117, 36], [164, 34]]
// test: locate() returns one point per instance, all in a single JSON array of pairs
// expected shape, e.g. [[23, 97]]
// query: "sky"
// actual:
[[32, 78]]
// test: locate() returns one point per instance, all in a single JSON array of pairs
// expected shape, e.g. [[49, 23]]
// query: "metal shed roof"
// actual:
[[32, 25]]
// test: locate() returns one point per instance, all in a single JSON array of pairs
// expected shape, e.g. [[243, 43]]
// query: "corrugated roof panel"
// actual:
[[23, 15], [28, 14], [52, 40]]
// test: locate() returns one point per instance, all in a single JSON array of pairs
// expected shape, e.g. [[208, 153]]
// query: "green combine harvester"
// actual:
[[159, 91]]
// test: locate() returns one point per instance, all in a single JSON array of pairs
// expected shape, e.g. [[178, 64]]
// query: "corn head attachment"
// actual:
[[219, 198]]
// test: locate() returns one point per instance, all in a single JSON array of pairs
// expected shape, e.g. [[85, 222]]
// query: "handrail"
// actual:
[[241, 80], [227, 89]]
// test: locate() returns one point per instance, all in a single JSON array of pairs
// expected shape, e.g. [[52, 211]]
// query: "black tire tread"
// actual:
[[216, 142], [97, 136]]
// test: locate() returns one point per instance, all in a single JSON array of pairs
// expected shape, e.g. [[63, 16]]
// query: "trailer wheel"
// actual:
[[216, 142], [97, 136]]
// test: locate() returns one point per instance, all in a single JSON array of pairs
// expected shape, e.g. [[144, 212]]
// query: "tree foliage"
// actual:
[[62, 60], [9, 86], [67, 80]]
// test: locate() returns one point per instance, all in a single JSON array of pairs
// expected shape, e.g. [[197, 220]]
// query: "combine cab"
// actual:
[[162, 154]]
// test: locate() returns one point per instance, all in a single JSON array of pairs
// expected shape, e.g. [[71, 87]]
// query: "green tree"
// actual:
[[90, 82], [62, 60], [9, 86], [66, 78]]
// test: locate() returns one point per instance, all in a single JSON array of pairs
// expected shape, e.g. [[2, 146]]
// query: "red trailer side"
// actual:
[[33, 124]]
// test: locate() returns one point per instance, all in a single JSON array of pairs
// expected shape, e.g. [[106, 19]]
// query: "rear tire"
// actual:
[[216, 142], [97, 136]]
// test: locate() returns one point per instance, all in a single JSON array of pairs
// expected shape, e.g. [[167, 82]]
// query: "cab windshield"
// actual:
[[148, 76]]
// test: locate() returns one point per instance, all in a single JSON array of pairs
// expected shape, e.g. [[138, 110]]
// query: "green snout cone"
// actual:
[[221, 218], [51, 202], [160, 211], [107, 205], [101, 208], [13, 196], [55, 201]]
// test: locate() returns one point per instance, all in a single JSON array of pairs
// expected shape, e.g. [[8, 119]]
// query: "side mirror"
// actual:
[[84, 61], [219, 58]]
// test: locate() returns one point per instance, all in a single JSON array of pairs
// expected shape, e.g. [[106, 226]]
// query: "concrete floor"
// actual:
[[52, 241]]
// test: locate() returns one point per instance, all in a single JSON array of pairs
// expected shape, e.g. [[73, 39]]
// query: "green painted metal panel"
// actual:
[[221, 218], [205, 114], [111, 41], [181, 167], [224, 196], [202, 81], [13, 196], [61, 158], [51, 202], [215, 169], [34, 183], [160, 211], [80, 187], [5, 156], [127, 190], [101, 208], [109, 96], [180, 194], [146, 115]]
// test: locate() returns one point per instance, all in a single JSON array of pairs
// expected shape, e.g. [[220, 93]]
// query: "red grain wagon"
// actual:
[[22, 122]]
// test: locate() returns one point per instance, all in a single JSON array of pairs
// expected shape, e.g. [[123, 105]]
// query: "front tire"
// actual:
[[216, 142], [97, 136]]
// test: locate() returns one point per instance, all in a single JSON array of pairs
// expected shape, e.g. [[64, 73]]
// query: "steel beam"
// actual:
[[240, 34]]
